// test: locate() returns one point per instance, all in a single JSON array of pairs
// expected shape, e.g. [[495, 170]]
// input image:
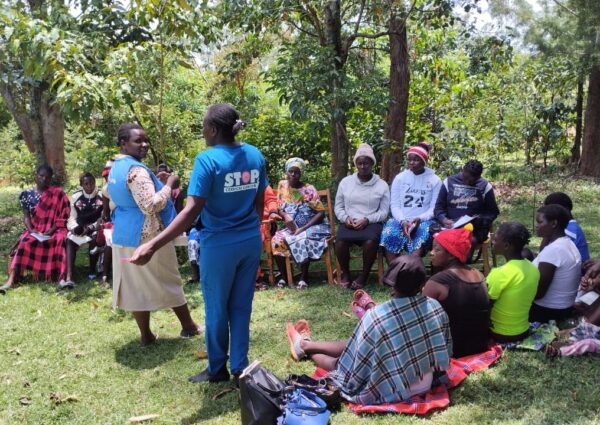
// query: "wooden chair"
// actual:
[[325, 196], [379, 264], [485, 254]]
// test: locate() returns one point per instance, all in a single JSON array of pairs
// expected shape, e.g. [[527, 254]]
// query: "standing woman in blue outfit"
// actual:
[[227, 186]]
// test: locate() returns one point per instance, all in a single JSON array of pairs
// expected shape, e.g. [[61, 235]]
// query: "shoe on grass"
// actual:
[[205, 376], [302, 285], [66, 284], [281, 284]]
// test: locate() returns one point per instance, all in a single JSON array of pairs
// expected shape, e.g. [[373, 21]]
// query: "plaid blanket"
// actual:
[[438, 397], [45, 259]]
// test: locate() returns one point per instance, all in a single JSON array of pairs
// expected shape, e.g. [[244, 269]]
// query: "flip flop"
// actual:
[[358, 310], [294, 339], [69, 284], [303, 328], [4, 289], [344, 285], [363, 299], [355, 285]]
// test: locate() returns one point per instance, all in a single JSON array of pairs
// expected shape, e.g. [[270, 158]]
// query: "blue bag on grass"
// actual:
[[301, 407]]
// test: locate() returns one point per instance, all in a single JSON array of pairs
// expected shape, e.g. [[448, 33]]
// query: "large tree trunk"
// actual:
[[395, 121], [339, 137], [42, 127], [590, 156], [576, 149]]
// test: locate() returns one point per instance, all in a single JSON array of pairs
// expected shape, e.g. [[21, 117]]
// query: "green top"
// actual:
[[513, 288]]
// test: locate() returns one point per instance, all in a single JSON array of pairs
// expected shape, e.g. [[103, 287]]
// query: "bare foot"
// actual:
[[148, 341]]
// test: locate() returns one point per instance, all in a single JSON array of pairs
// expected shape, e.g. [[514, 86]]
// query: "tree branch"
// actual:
[[566, 8], [311, 13], [362, 8], [312, 34]]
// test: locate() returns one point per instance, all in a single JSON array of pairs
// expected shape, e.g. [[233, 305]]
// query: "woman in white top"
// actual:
[[362, 204], [559, 263], [413, 195]]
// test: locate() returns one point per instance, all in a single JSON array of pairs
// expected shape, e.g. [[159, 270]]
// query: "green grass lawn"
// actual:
[[69, 358]]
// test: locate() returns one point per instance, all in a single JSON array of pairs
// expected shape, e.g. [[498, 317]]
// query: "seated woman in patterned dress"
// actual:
[[306, 227], [416, 340], [413, 195], [41, 247]]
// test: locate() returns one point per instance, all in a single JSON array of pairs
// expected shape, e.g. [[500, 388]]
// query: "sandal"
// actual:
[[358, 310], [4, 289], [303, 328], [294, 339], [188, 334], [66, 284], [260, 286], [363, 299], [302, 285], [551, 351], [356, 286], [344, 285]]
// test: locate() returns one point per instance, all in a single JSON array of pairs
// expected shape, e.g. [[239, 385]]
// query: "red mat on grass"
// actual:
[[437, 397]]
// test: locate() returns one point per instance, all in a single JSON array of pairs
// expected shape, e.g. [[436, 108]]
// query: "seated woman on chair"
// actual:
[[417, 342], [306, 226], [461, 291], [41, 246], [83, 225], [362, 204], [413, 196]]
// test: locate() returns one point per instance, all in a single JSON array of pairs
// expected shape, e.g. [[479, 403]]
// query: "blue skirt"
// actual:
[[395, 241]]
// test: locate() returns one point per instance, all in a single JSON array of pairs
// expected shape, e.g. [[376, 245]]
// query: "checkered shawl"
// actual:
[[45, 259], [392, 347]]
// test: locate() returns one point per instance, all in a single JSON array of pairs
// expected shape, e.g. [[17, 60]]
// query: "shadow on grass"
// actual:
[[216, 400], [133, 356]]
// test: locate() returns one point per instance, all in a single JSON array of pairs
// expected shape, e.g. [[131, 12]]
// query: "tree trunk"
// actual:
[[339, 137], [42, 127], [576, 149], [395, 121], [590, 156]]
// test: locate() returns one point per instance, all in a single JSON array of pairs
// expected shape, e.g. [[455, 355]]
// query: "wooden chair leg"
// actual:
[[380, 267], [271, 268], [328, 265], [485, 258]]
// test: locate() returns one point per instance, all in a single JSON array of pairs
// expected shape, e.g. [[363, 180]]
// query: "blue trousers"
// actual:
[[228, 276]]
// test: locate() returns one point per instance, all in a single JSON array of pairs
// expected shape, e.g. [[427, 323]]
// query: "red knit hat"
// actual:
[[456, 241], [421, 150]]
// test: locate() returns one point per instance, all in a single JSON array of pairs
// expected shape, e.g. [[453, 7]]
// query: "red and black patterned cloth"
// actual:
[[45, 259]]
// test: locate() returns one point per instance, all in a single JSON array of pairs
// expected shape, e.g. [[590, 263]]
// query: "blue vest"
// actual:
[[127, 217]]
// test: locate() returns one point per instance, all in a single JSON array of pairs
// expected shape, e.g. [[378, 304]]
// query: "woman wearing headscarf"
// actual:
[[413, 195], [362, 204], [306, 227]]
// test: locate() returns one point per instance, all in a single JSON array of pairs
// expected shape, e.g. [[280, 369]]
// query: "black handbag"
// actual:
[[322, 387], [261, 395]]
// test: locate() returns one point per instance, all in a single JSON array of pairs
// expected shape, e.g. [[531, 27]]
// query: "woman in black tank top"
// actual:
[[461, 291]]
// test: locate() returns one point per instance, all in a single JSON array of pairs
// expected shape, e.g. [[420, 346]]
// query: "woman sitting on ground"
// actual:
[[513, 286], [41, 246], [362, 204], [461, 291], [306, 227], [417, 343], [559, 263], [413, 195], [83, 225]]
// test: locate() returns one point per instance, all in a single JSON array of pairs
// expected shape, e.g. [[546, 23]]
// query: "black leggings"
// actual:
[[537, 313]]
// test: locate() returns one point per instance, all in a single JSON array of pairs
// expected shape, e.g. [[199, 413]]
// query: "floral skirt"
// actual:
[[394, 240], [306, 246]]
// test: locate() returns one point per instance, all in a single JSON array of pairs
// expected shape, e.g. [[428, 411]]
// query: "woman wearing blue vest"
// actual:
[[143, 209], [227, 186]]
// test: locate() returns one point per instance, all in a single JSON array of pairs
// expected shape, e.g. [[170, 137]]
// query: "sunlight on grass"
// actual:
[[68, 358]]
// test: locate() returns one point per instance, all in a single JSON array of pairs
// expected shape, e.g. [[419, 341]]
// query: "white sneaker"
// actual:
[[302, 285]]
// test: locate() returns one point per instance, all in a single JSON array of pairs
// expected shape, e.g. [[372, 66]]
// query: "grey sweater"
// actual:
[[356, 199]]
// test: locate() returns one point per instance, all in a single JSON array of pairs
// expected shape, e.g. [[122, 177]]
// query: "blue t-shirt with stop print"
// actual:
[[229, 177]]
